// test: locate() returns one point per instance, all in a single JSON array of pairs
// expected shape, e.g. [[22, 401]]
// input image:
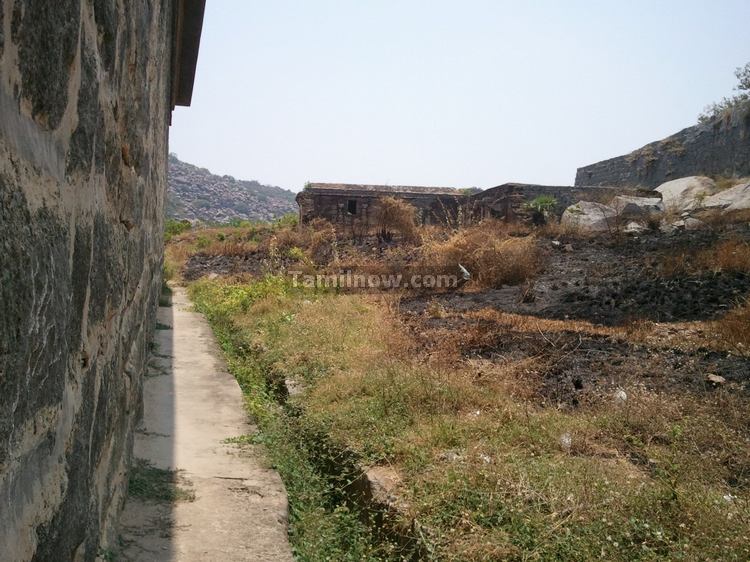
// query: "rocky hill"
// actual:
[[197, 194]]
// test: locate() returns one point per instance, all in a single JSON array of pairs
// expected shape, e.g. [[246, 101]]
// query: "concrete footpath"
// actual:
[[192, 405]]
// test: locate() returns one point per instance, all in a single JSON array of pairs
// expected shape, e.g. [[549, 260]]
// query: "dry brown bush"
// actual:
[[492, 256], [322, 240], [395, 216]]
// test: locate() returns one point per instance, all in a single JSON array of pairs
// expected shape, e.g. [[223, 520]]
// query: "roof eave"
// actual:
[[188, 26]]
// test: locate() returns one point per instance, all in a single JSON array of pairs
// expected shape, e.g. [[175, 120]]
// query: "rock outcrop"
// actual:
[[631, 207], [587, 216], [735, 198], [197, 194], [682, 204], [685, 194], [84, 108]]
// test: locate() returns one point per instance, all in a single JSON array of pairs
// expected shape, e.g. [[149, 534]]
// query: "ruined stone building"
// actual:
[[356, 204], [86, 93], [508, 201]]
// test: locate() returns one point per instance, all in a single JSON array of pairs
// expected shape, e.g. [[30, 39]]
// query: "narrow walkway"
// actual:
[[192, 405]]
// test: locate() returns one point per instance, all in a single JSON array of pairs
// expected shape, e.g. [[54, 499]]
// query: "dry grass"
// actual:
[[315, 242], [490, 472], [730, 255], [724, 182], [734, 328], [492, 256], [726, 256], [556, 229]]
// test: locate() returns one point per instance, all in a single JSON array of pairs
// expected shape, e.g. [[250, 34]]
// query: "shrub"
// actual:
[[296, 253], [492, 256], [290, 220], [395, 216], [541, 207], [174, 227]]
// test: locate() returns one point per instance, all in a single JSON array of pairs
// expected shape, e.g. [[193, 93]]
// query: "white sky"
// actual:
[[454, 93]]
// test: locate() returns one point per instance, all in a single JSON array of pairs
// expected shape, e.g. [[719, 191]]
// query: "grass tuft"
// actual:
[[146, 482]]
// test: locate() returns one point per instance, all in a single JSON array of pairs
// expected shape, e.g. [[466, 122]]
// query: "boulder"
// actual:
[[588, 216], [630, 207], [694, 224], [688, 223], [735, 198], [686, 194]]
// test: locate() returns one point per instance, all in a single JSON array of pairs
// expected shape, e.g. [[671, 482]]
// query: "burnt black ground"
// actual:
[[613, 281], [607, 282]]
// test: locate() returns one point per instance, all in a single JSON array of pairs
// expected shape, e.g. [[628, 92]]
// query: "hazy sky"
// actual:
[[452, 93]]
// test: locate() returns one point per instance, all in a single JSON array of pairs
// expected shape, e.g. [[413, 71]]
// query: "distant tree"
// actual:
[[718, 109]]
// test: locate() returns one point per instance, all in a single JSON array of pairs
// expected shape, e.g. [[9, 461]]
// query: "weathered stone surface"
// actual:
[[88, 136], [356, 205], [107, 18], [694, 224], [588, 216], [686, 194], [47, 35], [80, 258], [2, 32], [735, 198], [720, 148]]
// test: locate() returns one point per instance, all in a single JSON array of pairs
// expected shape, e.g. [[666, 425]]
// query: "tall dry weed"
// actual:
[[492, 257]]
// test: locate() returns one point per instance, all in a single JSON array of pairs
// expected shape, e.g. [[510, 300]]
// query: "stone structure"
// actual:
[[86, 92], [508, 201], [354, 205], [720, 148]]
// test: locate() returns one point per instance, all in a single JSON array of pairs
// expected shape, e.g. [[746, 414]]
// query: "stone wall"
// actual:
[[507, 201], [84, 110], [334, 206], [720, 148]]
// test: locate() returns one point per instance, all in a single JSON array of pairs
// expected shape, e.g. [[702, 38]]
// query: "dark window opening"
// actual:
[[351, 206]]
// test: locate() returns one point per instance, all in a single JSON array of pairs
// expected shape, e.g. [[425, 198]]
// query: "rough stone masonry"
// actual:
[[718, 148], [86, 92]]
